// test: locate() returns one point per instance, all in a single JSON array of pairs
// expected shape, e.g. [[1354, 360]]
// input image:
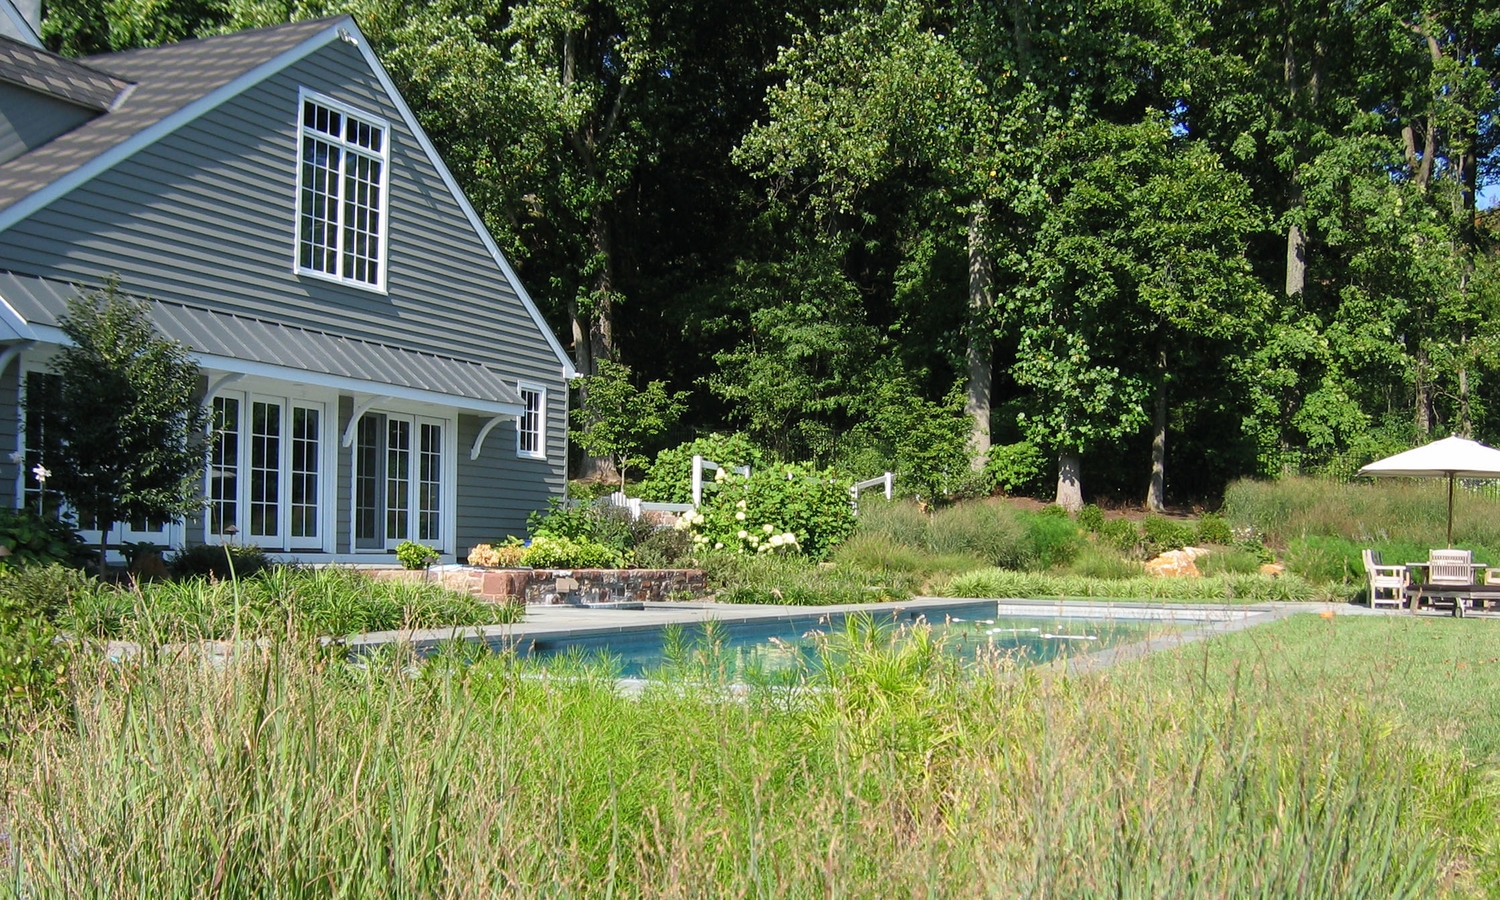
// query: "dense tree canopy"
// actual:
[[1167, 243]]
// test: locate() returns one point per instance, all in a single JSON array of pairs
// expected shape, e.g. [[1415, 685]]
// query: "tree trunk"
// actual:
[[1156, 491], [594, 331], [981, 344], [1422, 413], [1296, 259], [1069, 482]]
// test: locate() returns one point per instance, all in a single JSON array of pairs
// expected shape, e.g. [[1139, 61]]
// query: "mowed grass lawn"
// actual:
[[1439, 675]]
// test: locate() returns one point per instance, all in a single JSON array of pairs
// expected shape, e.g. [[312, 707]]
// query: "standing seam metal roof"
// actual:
[[42, 301]]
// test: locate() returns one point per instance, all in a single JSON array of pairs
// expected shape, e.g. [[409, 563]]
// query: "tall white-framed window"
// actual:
[[268, 473], [401, 481], [531, 428], [342, 178]]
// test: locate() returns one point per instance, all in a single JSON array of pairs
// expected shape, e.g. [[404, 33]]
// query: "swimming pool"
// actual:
[[786, 645]]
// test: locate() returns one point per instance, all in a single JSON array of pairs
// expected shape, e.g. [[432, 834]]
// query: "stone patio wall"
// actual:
[[563, 586]]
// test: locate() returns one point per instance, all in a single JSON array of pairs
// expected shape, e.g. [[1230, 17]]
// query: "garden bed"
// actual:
[[562, 586]]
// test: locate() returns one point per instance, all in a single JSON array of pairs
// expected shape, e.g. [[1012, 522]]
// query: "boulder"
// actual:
[[1176, 563]]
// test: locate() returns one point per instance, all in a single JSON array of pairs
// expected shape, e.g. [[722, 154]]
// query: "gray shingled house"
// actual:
[[375, 369]]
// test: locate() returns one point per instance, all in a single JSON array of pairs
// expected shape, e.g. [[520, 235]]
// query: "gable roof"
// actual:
[[174, 85], [56, 76]]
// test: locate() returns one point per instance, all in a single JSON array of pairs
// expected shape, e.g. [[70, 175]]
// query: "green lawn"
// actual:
[[1441, 676]]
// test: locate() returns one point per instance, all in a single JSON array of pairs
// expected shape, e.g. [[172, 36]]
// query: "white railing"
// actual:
[[701, 465], [887, 481]]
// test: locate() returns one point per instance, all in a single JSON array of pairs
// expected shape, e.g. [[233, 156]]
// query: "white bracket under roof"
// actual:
[[218, 383], [8, 355], [359, 410], [484, 433]]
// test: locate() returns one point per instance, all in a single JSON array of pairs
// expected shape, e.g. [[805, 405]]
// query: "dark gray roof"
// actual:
[[42, 301], [57, 76], [166, 79]]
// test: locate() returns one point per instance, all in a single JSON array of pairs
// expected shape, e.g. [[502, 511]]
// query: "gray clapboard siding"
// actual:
[[498, 490]]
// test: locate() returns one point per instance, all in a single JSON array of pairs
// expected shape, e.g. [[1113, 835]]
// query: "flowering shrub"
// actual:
[[506, 556], [779, 509]]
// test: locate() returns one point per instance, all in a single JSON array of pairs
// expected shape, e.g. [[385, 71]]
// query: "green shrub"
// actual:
[[546, 552], [45, 591], [218, 561], [32, 539], [611, 526], [670, 478], [34, 680], [413, 555], [1051, 540], [1015, 468], [1123, 535], [1214, 529], [1229, 561], [1091, 519], [667, 549], [1319, 558], [796, 581], [1161, 534]]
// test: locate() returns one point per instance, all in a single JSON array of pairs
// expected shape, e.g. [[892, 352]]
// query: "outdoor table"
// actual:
[[1470, 592]]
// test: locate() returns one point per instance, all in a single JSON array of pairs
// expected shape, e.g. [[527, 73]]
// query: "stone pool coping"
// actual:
[[549, 624]]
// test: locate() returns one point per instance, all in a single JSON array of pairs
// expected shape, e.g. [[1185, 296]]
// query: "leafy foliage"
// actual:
[[556, 552], [622, 420], [32, 539], [670, 479], [220, 562], [413, 555], [124, 435], [783, 509]]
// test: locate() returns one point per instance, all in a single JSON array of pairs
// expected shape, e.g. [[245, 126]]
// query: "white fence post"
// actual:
[[888, 481]]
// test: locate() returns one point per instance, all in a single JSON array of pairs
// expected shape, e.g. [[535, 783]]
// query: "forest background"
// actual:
[[1160, 244]]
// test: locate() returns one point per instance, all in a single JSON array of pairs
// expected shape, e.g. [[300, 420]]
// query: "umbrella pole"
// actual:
[[1450, 510]]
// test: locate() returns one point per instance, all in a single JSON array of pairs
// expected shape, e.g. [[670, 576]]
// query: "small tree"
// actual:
[[621, 420], [124, 438]]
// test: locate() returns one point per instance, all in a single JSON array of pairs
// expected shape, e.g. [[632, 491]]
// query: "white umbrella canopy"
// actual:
[[1451, 457]]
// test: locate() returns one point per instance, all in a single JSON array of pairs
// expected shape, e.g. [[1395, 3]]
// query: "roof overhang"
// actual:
[[30, 308]]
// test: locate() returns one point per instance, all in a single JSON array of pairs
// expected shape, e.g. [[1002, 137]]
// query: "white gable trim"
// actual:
[[148, 136], [21, 24], [463, 201]]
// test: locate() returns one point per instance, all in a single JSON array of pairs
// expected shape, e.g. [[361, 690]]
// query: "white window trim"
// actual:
[[288, 396], [448, 514], [541, 438], [303, 96]]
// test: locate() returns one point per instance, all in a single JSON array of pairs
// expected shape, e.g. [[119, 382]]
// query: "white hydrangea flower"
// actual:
[[743, 534], [739, 517], [767, 529], [741, 504]]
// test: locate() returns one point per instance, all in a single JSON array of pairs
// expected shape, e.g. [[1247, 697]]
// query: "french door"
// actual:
[[265, 474], [398, 481]]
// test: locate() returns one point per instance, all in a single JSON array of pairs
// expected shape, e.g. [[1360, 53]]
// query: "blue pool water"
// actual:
[[787, 647]]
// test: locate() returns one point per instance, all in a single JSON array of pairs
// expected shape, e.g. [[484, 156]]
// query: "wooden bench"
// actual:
[[1462, 596]]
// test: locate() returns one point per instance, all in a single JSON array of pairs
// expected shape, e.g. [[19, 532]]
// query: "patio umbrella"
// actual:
[[1454, 457]]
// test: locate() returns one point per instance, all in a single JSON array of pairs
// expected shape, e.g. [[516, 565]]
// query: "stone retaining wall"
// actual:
[[564, 586]]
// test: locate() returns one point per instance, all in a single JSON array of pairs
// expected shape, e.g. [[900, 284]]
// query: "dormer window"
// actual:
[[341, 221]]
